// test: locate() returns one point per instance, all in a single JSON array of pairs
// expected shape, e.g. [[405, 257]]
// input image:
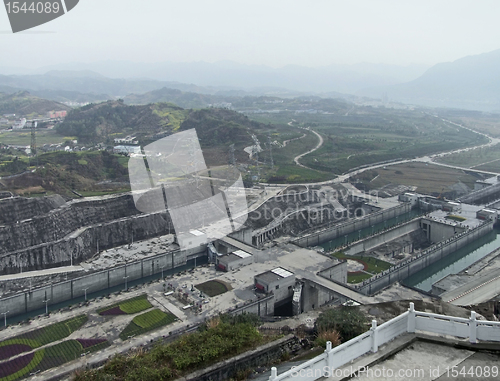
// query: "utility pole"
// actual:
[[270, 151], [232, 160], [85, 290], [33, 141]]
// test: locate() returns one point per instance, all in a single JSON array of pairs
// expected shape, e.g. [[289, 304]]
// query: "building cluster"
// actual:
[[57, 114]]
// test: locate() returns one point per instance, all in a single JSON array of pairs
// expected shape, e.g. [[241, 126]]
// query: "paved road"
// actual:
[[424, 159], [320, 143], [477, 291]]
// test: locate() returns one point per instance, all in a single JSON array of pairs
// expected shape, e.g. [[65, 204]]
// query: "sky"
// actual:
[[260, 32]]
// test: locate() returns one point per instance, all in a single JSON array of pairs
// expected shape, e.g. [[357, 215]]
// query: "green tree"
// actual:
[[349, 322]]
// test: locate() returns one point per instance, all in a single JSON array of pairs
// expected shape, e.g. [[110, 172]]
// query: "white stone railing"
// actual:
[[410, 321]]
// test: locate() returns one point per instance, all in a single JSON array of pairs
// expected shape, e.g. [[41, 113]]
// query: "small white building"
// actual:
[[487, 214], [127, 149], [191, 239], [278, 281], [19, 124], [234, 260]]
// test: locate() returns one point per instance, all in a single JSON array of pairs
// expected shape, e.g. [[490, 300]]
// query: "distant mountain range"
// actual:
[[119, 78], [232, 75], [471, 82]]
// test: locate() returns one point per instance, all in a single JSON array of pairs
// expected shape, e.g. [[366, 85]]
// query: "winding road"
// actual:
[[297, 158], [424, 159]]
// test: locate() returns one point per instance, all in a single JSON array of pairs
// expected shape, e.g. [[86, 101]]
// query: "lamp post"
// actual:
[[125, 277], [46, 301], [85, 290], [162, 271], [5, 317]]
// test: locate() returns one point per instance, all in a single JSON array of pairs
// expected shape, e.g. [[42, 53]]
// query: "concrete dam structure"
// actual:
[[50, 232]]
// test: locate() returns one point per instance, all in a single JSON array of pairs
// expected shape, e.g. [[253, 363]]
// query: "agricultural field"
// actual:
[[40, 337], [23, 137], [213, 287], [424, 178], [365, 135], [127, 307], [147, 322], [49, 357], [485, 159]]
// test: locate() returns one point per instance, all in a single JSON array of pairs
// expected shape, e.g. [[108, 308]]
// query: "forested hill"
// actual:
[[105, 121], [217, 127], [24, 104], [181, 98]]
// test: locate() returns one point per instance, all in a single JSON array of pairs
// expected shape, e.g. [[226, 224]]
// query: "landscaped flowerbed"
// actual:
[[49, 357], [147, 322], [87, 343], [129, 306], [39, 337], [213, 287]]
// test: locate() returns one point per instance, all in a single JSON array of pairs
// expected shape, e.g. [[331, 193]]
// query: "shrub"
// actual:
[[324, 336], [349, 322]]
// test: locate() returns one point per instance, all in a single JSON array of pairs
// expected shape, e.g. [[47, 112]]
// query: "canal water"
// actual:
[[188, 266], [370, 230], [455, 262]]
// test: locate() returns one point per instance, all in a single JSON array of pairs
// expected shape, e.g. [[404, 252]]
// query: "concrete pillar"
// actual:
[[411, 319], [473, 328], [329, 355], [373, 330], [274, 374]]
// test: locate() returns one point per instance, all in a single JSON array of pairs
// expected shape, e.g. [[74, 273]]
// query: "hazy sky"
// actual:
[[269, 32]]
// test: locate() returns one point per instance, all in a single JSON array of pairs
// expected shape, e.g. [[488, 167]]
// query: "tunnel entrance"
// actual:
[[284, 309]]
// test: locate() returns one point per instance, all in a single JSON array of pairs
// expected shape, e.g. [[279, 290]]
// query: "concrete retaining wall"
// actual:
[[249, 360], [418, 262], [261, 307], [340, 230], [381, 238], [61, 292]]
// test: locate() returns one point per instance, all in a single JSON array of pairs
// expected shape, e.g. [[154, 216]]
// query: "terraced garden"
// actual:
[[49, 357], [127, 307], [147, 322], [40, 337], [31, 352]]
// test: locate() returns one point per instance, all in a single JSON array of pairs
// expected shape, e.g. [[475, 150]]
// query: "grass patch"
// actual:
[[129, 306], [373, 265], [147, 322], [212, 287], [455, 218]]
